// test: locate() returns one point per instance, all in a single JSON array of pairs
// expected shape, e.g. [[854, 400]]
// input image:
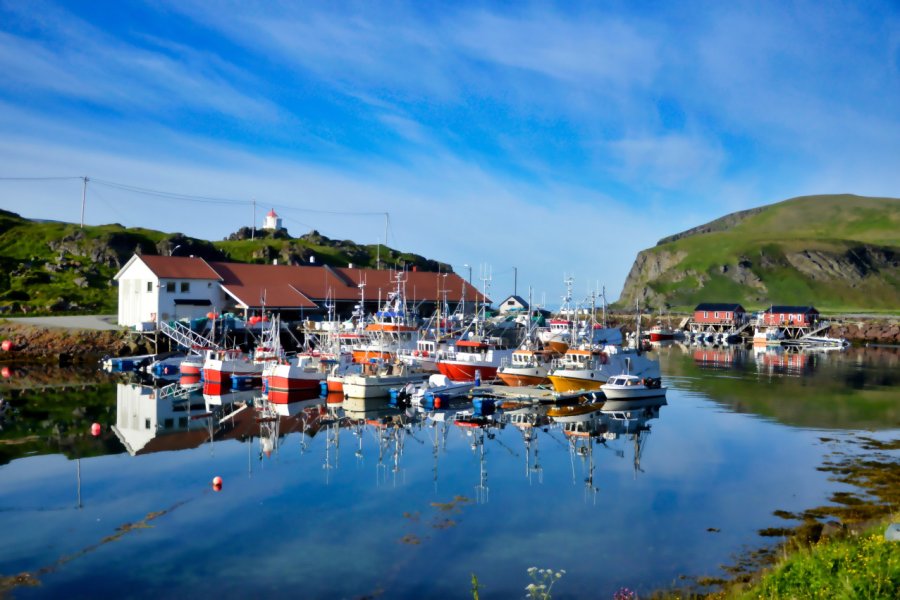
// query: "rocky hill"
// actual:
[[53, 267], [836, 252]]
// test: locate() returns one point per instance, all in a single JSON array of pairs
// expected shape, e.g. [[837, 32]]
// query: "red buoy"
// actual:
[[7, 345], [217, 483], [6, 372], [95, 429]]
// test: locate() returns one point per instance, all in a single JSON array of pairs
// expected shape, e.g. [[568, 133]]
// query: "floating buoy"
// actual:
[[6, 373], [7, 345], [217, 483], [95, 429]]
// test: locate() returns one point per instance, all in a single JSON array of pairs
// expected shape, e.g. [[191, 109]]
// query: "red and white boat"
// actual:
[[660, 333], [221, 365], [302, 372], [475, 356]]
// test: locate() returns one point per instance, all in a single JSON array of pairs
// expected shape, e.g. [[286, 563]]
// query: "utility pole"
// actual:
[[83, 198], [515, 281], [253, 227]]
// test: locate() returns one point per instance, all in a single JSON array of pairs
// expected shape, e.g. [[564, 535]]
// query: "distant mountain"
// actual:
[[49, 266], [835, 252]]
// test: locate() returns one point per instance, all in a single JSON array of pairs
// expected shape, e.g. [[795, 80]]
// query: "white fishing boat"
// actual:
[[818, 341], [631, 387], [768, 336], [380, 378], [436, 392]]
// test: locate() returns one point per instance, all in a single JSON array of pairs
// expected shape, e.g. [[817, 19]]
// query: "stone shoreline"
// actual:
[[36, 343]]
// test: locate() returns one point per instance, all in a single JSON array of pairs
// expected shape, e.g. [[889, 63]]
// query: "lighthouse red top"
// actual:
[[272, 213]]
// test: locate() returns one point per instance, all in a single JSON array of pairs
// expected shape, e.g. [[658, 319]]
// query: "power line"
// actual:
[[39, 178]]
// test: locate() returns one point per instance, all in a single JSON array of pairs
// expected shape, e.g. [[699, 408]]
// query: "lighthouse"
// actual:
[[273, 221]]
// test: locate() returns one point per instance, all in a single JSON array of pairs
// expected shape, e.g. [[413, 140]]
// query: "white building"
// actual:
[[273, 221], [165, 288], [513, 304]]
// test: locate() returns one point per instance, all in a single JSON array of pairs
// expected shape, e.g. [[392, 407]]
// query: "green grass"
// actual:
[[833, 225], [866, 566], [30, 251]]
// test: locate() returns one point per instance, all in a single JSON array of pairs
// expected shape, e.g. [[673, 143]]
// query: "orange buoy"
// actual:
[[95, 429], [6, 373], [217, 483], [7, 345]]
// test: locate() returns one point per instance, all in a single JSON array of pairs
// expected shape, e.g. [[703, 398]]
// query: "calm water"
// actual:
[[351, 500]]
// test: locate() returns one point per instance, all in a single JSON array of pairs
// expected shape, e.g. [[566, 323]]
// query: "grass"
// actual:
[[34, 276], [832, 225], [865, 566]]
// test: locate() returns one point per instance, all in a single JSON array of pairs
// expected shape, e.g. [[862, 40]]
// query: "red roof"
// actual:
[[276, 286], [179, 267], [420, 285], [271, 213]]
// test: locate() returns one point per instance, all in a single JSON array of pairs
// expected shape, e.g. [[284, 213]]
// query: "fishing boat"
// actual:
[[631, 387], [392, 330], [660, 333], [477, 356], [527, 366], [769, 336], [304, 371], [380, 378], [587, 368], [818, 341], [557, 336]]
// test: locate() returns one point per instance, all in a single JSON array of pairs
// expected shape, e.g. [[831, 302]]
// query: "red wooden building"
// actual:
[[790, 316], [711, 313]]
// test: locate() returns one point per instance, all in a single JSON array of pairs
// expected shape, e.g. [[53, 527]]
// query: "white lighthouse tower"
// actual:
[[273, 221]]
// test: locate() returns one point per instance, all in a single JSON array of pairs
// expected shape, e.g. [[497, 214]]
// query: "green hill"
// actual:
[[840, 253], [48, 266]]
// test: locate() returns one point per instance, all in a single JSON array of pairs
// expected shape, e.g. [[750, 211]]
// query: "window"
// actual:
[[705, 315], [149, 286], [170, 287], [146, 423], [185, 286], [716, 315]]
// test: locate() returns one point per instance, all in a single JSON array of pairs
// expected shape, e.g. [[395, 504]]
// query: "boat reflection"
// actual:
[[175, 417]]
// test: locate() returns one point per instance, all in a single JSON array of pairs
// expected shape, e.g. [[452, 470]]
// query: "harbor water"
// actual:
[[335, 498]]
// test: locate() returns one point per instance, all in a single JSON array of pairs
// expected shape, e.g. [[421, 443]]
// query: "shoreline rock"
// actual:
[[35, 343]]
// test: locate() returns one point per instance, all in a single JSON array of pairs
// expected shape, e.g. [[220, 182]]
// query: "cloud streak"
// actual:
[[533, 127]]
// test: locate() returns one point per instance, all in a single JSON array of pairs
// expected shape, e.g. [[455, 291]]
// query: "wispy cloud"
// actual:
[[516, 128]]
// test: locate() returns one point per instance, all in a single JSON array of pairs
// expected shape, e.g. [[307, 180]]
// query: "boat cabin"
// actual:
[[720, 314]]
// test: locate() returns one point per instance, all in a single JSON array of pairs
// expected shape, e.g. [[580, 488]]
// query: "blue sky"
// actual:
[[556, 138]]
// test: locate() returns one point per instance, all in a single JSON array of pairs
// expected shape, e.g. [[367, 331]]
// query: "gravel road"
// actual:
[[98, 322]]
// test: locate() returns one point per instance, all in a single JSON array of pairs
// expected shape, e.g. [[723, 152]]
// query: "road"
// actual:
[[97, 322]]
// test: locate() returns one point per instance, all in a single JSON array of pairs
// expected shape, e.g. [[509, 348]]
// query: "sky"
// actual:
[[531, 141]]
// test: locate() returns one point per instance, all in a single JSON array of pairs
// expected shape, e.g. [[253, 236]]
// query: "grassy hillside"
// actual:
[[839, 253], [52, 267]]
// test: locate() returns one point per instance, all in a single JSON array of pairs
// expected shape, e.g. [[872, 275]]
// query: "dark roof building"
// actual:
[[718, 306]]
